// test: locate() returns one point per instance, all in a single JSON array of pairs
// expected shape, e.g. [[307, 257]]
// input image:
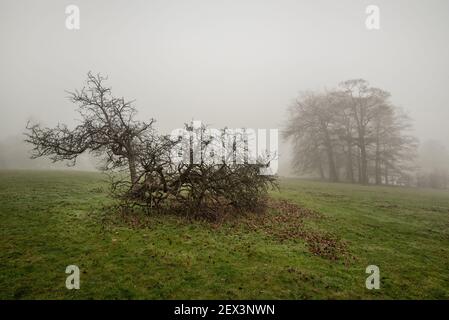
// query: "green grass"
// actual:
[[48, 220]]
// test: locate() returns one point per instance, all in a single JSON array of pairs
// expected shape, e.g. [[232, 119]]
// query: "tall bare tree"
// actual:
[[364, 102]]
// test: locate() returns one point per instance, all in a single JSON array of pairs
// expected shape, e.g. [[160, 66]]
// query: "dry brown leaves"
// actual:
[[283, 221], [286, 222]]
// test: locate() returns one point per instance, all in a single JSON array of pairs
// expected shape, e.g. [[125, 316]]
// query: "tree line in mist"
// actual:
[[355, 134]]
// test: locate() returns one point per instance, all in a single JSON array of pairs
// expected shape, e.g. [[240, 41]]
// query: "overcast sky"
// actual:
[[227, 63]]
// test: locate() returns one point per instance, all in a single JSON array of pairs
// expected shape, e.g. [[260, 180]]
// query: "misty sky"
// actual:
[[227, 63]]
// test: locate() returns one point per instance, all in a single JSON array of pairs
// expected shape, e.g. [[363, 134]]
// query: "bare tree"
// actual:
[[345, 125], [364, 102], [107, 128], [355, 127], [311, 123]]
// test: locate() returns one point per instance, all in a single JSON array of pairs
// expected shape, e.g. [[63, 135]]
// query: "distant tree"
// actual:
[[311, 127], [352, 128], [345, 124], [365, 103], [395, 147]]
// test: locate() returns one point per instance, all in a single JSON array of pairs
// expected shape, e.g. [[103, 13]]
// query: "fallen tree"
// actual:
[[197, 172]]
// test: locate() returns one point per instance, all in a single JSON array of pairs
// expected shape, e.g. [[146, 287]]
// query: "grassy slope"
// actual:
[[45, 225]]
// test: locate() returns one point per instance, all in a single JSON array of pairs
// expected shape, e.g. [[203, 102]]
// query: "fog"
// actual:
[[226, 63]]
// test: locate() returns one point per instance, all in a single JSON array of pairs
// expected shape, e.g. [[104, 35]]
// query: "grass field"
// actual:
[[50, 219]]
